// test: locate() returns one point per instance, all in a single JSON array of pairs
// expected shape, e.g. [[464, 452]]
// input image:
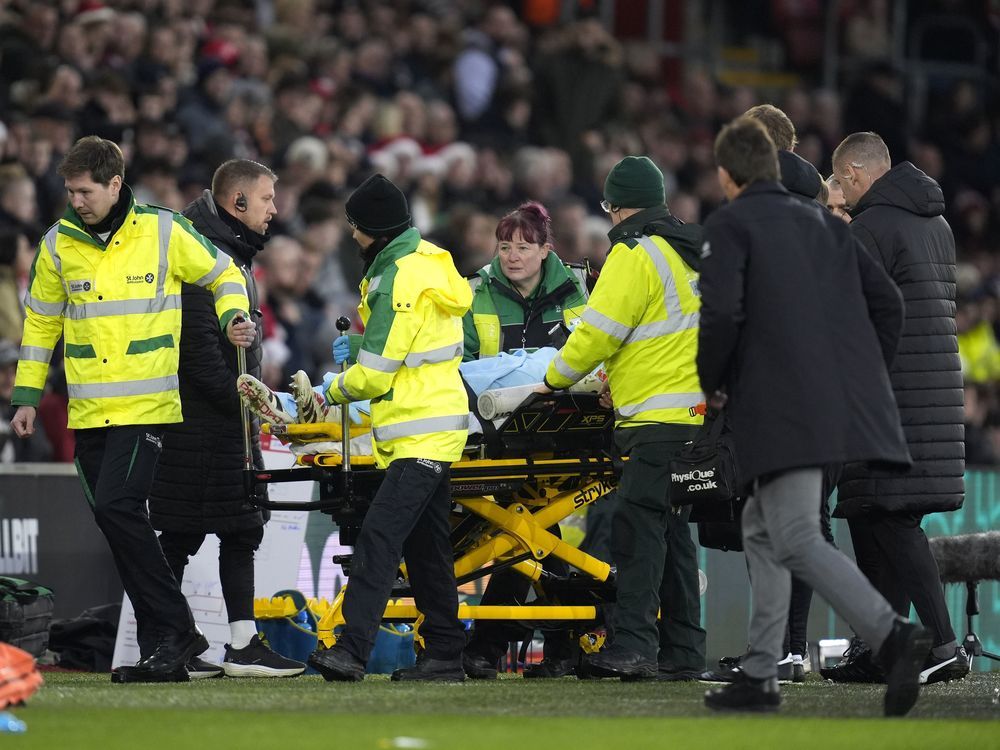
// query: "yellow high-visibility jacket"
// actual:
[[980, 354], [118, 304], [412, 303], [642, 322]]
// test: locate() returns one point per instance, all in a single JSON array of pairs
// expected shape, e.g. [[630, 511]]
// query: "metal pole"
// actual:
[[343, 324]]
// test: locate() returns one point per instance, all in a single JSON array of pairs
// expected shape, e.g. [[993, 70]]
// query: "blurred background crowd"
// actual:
[[472, 107]]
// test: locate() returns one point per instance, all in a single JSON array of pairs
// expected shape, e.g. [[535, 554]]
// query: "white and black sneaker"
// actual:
[[257, 660], [792, 669], [199, 669], [262, 401], [953, 667]]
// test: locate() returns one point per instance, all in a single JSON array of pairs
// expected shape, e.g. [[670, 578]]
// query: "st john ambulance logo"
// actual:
[[149, 278], [75, 287], [139, 279]]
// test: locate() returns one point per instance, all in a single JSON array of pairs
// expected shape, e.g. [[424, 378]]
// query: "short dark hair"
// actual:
[[99, 156], [866, 149], [237, 173], [776, 123], [745, 150]]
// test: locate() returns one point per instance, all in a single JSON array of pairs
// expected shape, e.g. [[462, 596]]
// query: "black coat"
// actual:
[[199, 480], [900, 221], [797, 324]]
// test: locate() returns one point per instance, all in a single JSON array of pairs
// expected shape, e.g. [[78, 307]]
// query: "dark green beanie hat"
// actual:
[[635, 182]]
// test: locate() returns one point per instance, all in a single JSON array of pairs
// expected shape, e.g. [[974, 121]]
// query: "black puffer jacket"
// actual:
[[199, 480], [900, 221]]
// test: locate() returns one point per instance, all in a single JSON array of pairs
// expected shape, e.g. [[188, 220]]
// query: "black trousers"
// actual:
[[892, 550], [408, 518], [116, 466], [508, 587], [657, 563], [235, 564]]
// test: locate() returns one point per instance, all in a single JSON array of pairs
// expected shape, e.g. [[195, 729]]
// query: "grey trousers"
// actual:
[[781, 536]]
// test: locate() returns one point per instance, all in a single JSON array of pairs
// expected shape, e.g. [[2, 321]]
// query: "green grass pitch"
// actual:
[[74, 711]]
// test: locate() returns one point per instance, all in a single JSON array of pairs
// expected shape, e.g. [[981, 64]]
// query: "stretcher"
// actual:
[[551, 457]]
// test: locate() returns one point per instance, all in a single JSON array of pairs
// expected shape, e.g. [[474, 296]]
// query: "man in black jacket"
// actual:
[[199, 483], [797, 325], [898, 216], [803, 181]]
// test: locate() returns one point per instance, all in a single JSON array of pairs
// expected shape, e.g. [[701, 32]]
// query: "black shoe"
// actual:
[[478, 667], [730, 662], [857, 665], [722, 676], [549, 668], [745, 694], [170, 657], [902, 656], [954, 667], [431, 670], [336, 665], [257, 660], [618, 661], [199, 669], [669, 674], [124, 675]]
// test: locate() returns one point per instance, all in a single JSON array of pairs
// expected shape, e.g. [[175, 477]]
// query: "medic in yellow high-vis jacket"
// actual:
[[642, 322], [412, 303], [118, 305]]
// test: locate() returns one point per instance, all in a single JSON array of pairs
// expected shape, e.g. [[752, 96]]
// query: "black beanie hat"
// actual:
[[378, 208]]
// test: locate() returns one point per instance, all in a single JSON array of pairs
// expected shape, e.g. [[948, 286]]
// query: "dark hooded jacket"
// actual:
[[199, 479], [798, 324], [799, 177], [900, 221]]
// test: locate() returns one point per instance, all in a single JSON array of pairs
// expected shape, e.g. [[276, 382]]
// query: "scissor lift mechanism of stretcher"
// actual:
[[550, 457]]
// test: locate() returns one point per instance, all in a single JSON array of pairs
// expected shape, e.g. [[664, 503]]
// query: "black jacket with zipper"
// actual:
[[900, 221], [199, 480]]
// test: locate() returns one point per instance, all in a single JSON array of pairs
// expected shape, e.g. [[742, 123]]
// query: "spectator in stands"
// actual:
[[15, 263], [14, 449]]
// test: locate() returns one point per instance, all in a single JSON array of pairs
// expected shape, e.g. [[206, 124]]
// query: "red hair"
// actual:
[[531, 220]]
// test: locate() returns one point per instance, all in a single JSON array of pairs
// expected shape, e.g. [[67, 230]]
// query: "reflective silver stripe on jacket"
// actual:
[[676, 320], [35, 354], [434, 356], [373, 284], [124, 388], [602, 322], [342, 387], [221, 261], [661, 401], [50, 242], [165, 223], [230, 287], [54, 309], [420, 427], [378, 362], [123, 307], [565, 370]]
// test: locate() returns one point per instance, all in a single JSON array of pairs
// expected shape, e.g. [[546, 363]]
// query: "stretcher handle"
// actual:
[[343, 324], [241, 365]]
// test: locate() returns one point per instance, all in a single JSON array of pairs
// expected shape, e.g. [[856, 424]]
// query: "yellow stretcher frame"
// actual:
[[517, 530]]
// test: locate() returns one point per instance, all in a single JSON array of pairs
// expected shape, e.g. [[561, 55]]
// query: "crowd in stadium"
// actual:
[[467, 106]]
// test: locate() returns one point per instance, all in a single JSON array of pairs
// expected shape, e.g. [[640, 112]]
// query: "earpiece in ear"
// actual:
[[241, 202]]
